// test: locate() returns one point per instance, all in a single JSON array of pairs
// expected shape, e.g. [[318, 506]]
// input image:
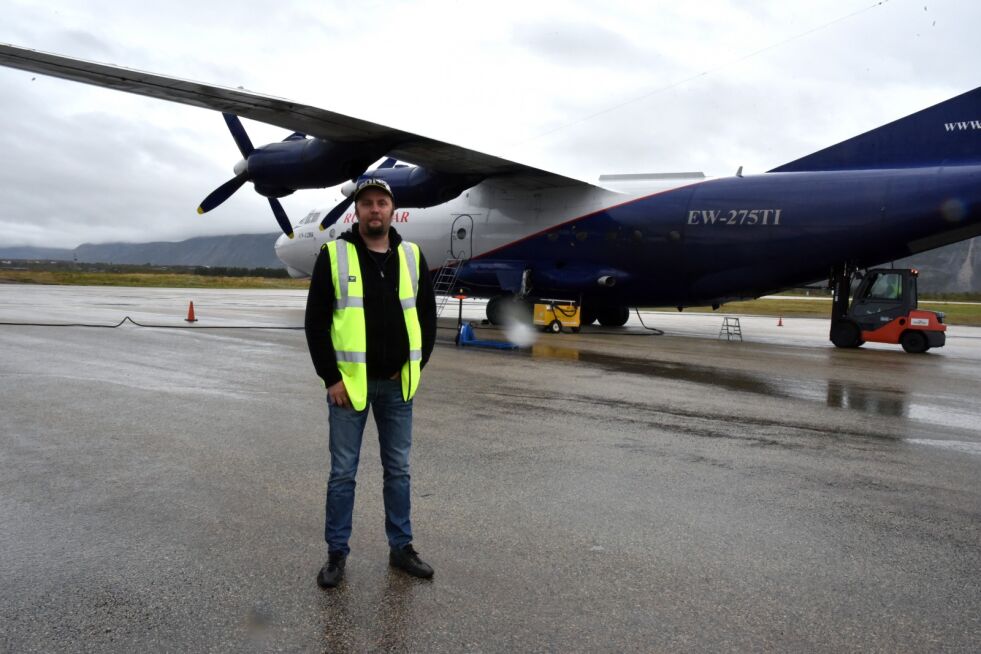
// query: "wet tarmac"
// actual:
[[162, 489]]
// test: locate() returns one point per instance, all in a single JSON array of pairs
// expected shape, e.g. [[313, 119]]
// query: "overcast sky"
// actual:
[[578, 88]]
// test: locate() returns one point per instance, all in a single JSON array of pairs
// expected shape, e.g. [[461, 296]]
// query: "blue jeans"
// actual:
[[393, 417]]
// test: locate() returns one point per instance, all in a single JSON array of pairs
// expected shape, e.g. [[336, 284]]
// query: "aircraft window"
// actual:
[[553, 236], [611, 235], [582, 235], [887, 286]]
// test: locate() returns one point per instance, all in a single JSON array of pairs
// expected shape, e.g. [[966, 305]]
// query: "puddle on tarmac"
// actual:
[[966, 447], [840, 395], [943, 415], [727, 379], [833, 393]]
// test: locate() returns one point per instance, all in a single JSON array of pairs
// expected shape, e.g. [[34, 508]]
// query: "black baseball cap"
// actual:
[[373, 182]]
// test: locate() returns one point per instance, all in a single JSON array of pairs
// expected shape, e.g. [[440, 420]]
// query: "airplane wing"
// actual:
[[411, 148]]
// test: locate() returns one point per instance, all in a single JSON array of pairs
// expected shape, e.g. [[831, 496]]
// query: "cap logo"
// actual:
[[373, 182]]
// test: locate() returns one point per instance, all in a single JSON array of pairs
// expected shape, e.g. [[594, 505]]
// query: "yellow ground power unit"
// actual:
[[553, 315]]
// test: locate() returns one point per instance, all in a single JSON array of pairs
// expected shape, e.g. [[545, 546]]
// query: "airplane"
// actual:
[[678, 239]]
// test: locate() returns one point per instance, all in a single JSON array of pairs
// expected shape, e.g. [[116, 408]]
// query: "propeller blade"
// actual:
[[339, 210], [222, 193], [281, 218], [336, 212], [238, 133]]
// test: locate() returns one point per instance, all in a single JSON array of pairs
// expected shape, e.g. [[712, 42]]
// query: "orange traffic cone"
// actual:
[[780, 322], [190, 313]]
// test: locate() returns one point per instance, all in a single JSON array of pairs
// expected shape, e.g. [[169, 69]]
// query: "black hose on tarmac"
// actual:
[[139, 324]]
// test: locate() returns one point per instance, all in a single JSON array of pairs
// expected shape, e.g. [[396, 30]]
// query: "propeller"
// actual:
[[281, 218], [226, 190], [222, 193], [343, 205], [242, 139]]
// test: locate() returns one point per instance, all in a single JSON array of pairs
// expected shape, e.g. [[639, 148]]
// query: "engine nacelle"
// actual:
[[278, 169], [417, 188]]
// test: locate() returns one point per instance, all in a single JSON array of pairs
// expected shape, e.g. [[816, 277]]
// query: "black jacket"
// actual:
[[387, 339]]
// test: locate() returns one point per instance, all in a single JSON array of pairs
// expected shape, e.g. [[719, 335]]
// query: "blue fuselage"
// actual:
[[740, 237]]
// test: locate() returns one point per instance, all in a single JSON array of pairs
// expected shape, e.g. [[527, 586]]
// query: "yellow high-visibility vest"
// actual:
[[347, 329]]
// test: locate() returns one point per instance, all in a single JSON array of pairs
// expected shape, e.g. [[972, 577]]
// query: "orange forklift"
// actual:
[[884, 310]]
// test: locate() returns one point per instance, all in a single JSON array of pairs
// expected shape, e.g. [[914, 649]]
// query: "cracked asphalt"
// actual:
[[162, 490]]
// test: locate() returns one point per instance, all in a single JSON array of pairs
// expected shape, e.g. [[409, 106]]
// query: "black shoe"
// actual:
[[407, 559], [333, 571]]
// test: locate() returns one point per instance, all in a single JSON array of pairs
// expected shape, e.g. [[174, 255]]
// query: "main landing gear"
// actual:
[[615, 316], [505, 308], [608, 316]]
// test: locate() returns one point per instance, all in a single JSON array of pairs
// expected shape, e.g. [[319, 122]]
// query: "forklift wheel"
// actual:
[[554, 327], [845, 333], [914, 342]]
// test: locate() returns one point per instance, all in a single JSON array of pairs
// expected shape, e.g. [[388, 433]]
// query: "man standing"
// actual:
[[371, 326]]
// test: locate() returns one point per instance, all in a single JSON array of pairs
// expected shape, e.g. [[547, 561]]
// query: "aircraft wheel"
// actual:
[[494, 309], [524, 310], [504, 307], [554, 327], [614, 316], [586, 316], [845, 333], [914, 342]]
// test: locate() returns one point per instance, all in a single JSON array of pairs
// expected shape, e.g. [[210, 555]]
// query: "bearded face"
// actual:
[[374, 210]]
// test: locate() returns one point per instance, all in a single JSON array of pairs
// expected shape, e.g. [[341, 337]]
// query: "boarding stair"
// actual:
[[445, 281]]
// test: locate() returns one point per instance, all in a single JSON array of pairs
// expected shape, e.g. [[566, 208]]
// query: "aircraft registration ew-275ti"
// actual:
[[632, 240]]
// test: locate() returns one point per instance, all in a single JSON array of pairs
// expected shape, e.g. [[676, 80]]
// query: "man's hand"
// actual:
[[338, 395]]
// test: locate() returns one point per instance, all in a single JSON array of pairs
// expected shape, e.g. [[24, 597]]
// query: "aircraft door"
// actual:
[[461, 237]]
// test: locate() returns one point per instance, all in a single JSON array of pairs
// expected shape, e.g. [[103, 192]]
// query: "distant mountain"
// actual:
[[238, 251], [952, 269], [28, 252]]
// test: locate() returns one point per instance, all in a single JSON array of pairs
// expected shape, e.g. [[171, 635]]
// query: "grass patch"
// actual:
[[154, 280], [788, 307]]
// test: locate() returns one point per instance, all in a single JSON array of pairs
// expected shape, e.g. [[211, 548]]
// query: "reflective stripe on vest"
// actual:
[[347, 330], [408, 292]]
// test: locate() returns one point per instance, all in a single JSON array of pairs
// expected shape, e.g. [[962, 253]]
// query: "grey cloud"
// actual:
[[84, 45], [123, 174], [96, 177], [576, 44], [714, 125]]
